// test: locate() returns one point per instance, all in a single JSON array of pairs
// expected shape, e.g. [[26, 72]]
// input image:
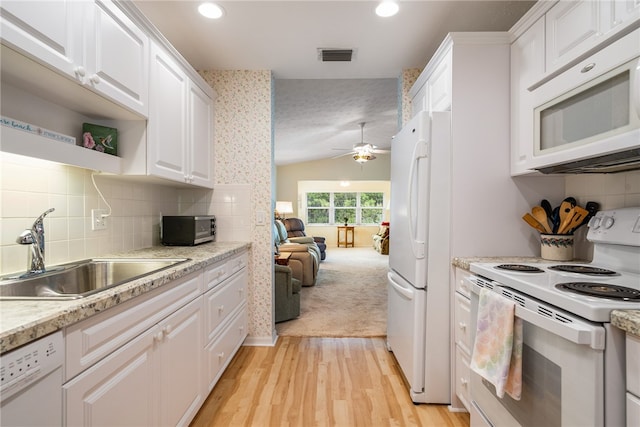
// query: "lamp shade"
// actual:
[[284, 207]]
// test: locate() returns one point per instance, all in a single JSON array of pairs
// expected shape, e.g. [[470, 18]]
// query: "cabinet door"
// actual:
[[119, 390], [420, 102], [116, 56], [572, 28], [180, 365], [440, 86], [200, 137], [167, 126], [48, 31], [527, 66]]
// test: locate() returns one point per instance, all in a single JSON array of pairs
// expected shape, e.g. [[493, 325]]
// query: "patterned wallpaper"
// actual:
[[408, 78], [243, 156]]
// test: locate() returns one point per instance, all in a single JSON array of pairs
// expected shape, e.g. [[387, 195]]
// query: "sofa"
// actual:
[[295, 230], [381, 239], [305, 256], [287, 294]]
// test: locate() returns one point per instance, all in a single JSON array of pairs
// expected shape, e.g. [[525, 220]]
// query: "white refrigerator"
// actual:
[[419, 255]]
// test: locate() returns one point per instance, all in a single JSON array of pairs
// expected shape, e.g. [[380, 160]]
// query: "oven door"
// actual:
[[562, 371]]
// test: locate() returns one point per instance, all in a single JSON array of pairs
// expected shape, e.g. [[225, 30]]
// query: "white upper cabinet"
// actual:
[[116, 57], [180, 129], [167, 127], [572, 26], [527, 66], [200, 131], [439, 85], [44, 30], [94, 43]]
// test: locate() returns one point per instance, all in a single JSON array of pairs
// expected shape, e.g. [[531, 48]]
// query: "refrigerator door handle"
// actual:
[[407, 293], [419, 152]]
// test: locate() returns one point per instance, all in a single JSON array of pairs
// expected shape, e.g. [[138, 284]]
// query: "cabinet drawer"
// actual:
[[463, 374], [223, 300], [462, 324], [219, 353], [633, 364], [92, 339], [219, 272], [462, 282]]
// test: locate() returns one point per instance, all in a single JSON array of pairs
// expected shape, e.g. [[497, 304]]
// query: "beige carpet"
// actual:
[[348, 300]]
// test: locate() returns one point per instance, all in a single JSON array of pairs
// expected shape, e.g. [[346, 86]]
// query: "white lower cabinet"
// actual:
[[152, 360], [461, 324], [153, 380], [633, 380], [225, 316]]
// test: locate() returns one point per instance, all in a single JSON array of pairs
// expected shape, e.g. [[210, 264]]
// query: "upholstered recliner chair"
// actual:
[[295, 230], [287, 294], [305, 257]]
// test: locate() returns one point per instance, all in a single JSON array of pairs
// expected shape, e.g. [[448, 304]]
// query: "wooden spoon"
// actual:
[[574, 218], [541, 215], [565, 208], [529, 219]]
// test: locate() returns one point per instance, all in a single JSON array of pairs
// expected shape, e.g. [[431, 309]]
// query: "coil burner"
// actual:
[[583, 269], [601, 290], [520, 268]]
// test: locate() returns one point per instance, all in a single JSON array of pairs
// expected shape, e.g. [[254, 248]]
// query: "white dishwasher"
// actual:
[[31, 383]]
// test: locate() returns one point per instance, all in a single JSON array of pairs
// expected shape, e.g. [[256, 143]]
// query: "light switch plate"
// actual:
[[98, 220]]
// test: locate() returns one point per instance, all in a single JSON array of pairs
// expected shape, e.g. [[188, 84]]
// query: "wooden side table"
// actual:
[[348, 230], [283, 258]]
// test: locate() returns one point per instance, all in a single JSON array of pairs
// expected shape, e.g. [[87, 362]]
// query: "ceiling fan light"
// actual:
[[387, 8], [363, 157], [211, 10]]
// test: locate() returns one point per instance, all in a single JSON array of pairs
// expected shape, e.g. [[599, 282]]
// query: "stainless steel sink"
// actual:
[[82, 278]]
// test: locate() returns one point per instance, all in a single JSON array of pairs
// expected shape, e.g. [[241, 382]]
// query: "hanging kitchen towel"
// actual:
[[497, 351]]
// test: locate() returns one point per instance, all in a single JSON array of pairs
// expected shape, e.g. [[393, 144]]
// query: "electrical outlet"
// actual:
[[98, 220]]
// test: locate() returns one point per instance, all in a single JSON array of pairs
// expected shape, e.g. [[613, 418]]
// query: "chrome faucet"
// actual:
[[35, 238]]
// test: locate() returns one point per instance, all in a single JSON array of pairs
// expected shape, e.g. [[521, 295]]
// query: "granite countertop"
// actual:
[[26, 320], [627, 320]]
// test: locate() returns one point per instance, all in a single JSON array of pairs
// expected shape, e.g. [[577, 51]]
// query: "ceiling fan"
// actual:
[[362, 152]]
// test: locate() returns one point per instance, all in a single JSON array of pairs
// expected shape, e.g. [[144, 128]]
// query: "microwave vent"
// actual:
[[609, 163], [335, 55]]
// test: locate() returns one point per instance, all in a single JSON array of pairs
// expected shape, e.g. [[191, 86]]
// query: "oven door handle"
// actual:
[[579, 334]]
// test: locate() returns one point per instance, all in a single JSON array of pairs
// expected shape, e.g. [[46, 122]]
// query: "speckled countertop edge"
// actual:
[[25, 321], [627, 320]]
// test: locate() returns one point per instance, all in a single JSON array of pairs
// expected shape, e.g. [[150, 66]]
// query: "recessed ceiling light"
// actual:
[[211, 10], [387, 8]]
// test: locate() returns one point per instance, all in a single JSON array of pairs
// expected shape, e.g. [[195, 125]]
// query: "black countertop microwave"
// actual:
[[188, 230]]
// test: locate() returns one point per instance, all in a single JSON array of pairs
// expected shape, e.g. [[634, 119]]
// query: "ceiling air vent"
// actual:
[[335, 55]]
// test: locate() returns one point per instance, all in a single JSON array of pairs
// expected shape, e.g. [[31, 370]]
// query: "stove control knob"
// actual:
[[594, 222], [607, 222]]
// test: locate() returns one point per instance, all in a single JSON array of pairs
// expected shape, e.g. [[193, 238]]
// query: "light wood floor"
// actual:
[[318, 382]]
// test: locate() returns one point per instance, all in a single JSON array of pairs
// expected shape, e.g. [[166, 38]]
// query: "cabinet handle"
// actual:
[[588, 67], [463, 382], [167, 330], [462, 325], [158, 337], [95, 79], [79, 70], [221, 309], [221, 356]]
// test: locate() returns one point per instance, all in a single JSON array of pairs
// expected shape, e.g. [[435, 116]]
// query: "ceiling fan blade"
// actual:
[[350, 153]]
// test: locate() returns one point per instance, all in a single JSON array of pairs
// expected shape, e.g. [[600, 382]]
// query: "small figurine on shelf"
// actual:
[[346, 221]]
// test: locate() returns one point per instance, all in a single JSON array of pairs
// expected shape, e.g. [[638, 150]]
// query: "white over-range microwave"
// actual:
[[594, 125]]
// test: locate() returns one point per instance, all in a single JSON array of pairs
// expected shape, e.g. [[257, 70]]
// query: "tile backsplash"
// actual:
[[611, 191], [30, 186]]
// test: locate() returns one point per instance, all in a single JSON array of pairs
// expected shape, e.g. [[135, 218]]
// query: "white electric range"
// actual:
[[573, 362]]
